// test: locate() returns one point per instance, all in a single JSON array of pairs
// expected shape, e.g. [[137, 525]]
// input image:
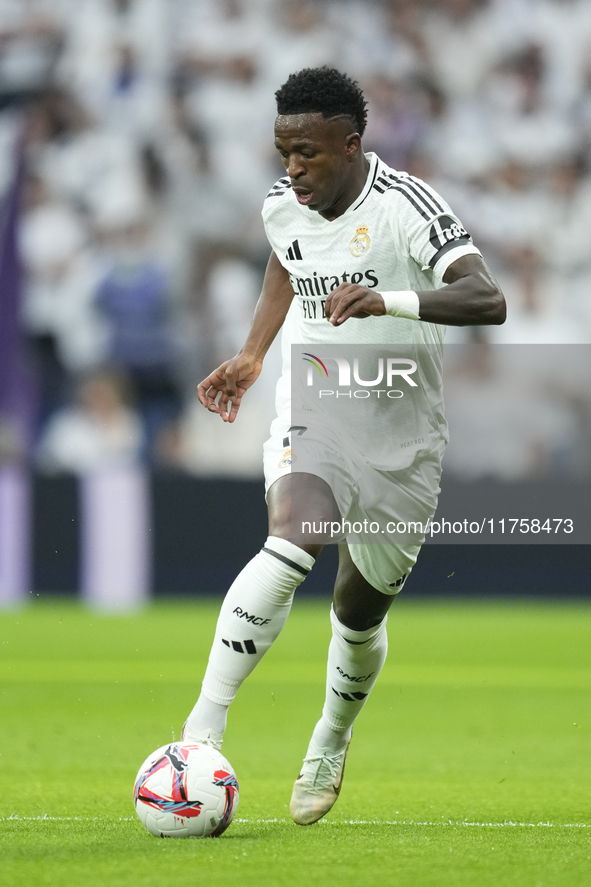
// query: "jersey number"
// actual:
[[300, 430]]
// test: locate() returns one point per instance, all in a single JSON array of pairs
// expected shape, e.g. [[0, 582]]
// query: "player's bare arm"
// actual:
[[471, 297], [230, 381]]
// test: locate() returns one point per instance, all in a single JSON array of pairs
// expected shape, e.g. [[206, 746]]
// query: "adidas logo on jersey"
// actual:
[[294, 252]]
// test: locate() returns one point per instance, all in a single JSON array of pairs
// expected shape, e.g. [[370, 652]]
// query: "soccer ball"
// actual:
[[186, 790]]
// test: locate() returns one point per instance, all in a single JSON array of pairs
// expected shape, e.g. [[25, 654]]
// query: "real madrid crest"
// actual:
[[360, 243], [286, 459]]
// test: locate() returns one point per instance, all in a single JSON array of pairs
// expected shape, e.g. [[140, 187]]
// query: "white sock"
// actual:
[[355, 659], [211, 717], [254, 611]]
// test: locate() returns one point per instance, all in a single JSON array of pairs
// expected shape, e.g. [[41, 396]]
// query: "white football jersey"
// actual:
[[399, 234]]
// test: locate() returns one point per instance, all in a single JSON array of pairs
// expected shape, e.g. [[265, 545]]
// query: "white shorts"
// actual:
[[386, 501]]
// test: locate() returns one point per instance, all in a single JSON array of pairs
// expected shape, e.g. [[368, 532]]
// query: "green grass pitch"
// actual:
[[469, 767]]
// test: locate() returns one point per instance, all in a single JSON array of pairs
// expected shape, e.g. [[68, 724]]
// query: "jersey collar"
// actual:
[[371, 177]]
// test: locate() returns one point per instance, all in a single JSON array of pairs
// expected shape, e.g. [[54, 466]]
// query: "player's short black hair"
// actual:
[[325, 91]]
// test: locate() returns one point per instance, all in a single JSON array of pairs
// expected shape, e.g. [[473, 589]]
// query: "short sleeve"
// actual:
[[435, 236], [272, 213]]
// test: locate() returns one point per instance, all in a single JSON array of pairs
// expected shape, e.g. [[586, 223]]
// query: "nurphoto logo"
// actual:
[[387, 371]]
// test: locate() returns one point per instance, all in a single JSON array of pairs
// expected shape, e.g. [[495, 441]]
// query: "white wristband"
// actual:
[[402, 304]]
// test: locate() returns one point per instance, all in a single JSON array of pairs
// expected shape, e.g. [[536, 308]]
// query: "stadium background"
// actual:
[[135, 150]]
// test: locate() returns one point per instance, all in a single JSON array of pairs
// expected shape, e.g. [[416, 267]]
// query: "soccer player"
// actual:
[[391, 264]]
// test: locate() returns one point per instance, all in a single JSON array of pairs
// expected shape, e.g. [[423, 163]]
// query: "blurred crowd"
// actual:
[[148, 130]]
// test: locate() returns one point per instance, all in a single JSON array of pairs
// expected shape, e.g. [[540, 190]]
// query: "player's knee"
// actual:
[[301, 508], [354, 618], [310, 548], [281, 525]]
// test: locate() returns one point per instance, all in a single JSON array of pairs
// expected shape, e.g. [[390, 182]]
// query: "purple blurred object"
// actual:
[[16, 408], [15, 541], [135, 300], [16, 385], [116, 559]]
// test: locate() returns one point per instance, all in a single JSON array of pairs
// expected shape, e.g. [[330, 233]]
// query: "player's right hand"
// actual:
[[222, 391]]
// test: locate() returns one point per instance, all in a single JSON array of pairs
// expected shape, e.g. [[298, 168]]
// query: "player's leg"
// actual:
[[369, 579], [356, 655], [258, 603], [370, 576]]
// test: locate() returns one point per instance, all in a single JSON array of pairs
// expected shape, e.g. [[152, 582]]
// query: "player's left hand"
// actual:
[[352, 300]]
